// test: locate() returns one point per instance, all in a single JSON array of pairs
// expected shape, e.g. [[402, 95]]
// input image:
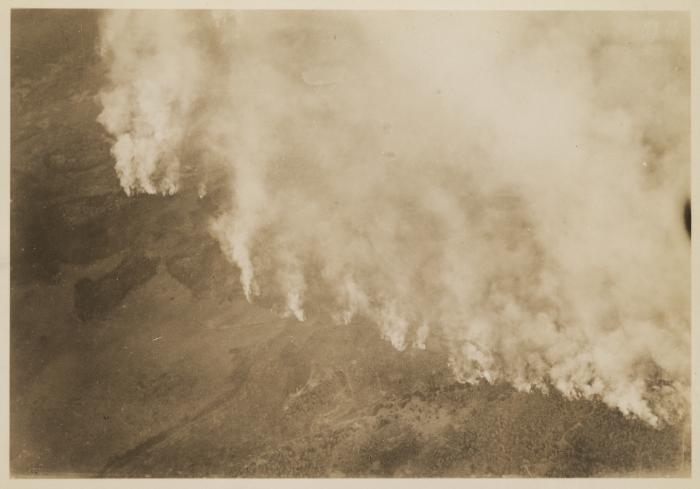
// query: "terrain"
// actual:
[[135, 354]]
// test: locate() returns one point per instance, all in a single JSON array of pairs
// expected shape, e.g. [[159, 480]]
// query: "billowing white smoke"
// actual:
[[508, 185]]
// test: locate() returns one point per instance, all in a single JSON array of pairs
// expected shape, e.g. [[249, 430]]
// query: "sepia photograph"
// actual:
[[351, 243]]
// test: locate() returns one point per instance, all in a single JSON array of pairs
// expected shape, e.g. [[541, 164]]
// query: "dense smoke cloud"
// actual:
[[506, 185]]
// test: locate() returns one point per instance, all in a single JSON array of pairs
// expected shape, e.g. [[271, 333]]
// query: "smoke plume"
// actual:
[[508, 186]]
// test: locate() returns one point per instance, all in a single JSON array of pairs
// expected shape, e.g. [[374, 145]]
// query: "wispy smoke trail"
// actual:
[[507, 185]]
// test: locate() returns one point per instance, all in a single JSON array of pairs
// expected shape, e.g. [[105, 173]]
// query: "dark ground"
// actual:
[[134, 353]]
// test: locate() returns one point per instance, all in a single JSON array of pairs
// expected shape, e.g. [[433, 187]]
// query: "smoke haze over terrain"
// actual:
[[508, 186]]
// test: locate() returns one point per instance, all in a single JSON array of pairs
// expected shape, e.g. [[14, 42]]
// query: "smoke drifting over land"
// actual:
[[509, 186]]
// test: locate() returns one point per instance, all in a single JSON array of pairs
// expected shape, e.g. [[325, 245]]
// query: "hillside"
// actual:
[[134, 352]]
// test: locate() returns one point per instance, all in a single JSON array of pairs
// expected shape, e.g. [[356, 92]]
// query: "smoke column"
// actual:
[[508, 186]]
